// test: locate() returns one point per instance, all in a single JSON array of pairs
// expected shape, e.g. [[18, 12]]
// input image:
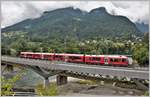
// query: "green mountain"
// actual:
[[70, 22]]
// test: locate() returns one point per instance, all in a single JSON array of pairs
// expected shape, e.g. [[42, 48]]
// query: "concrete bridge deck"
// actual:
[[78, 68]]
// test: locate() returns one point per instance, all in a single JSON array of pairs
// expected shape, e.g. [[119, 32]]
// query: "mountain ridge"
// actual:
[[76, 23], [142, 27]]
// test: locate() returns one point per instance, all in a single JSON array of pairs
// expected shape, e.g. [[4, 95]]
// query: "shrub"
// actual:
[[8, 84], [50, 90]]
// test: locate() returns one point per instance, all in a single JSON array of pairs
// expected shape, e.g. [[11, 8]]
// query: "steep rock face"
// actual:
[[72, 22], [142, 27]]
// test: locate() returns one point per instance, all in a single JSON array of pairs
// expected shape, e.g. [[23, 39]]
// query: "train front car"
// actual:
[[117, 60]]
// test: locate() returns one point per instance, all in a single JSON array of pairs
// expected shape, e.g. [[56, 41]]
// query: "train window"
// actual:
[[95, 58], [123, 60], [47, 56], [58, 56], [111, 60], [116, 60], [119, 60], [74, 57]]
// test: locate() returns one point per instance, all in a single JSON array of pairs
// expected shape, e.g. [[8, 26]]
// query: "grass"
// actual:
[[146, 93], [50, 90]]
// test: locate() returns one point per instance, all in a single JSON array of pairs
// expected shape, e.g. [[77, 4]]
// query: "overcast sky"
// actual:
[[15, 11]]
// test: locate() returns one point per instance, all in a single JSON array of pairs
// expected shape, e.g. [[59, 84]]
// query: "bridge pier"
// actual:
[[3, 68], [7, 67], [46, 82], [45, 74], [61, 79], [10, 68]]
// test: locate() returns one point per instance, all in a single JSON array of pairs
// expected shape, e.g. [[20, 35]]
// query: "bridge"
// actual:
[[48, 68]]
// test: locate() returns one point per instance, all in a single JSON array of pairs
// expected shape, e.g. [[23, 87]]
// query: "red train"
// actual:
[[115, 60]]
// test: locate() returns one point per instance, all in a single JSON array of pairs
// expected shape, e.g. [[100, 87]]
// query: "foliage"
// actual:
[[141, 50], [96, 45], [50, 90], [5, 49], [8, 84], [146, 93], [74, 23], [70, 31], [140, 53]]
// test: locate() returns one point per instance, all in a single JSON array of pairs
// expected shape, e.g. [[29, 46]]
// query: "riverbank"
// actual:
[[76, 88]]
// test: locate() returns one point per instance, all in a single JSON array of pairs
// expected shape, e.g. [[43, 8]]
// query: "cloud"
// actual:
[[136, 11], [15, 11]]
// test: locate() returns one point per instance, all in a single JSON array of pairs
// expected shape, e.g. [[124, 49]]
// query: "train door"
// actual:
[[66, 58], [42, 56], [105, 60]]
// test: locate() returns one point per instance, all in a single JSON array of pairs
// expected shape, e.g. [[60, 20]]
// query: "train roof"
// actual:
[[117, 56], [74, 54], [26, 52], [34, 53], [114, 56], [95, 55], [44, 53], [69, 54]]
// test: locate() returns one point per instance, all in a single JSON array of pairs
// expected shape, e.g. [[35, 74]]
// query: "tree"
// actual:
[[19, 45], [5, 50], [140, 53], [13, 52], [8, 84], [146, 38], [50, 90]]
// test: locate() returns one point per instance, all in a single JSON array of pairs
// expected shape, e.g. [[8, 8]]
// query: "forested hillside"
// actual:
[[76, 23], [70, 30]]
